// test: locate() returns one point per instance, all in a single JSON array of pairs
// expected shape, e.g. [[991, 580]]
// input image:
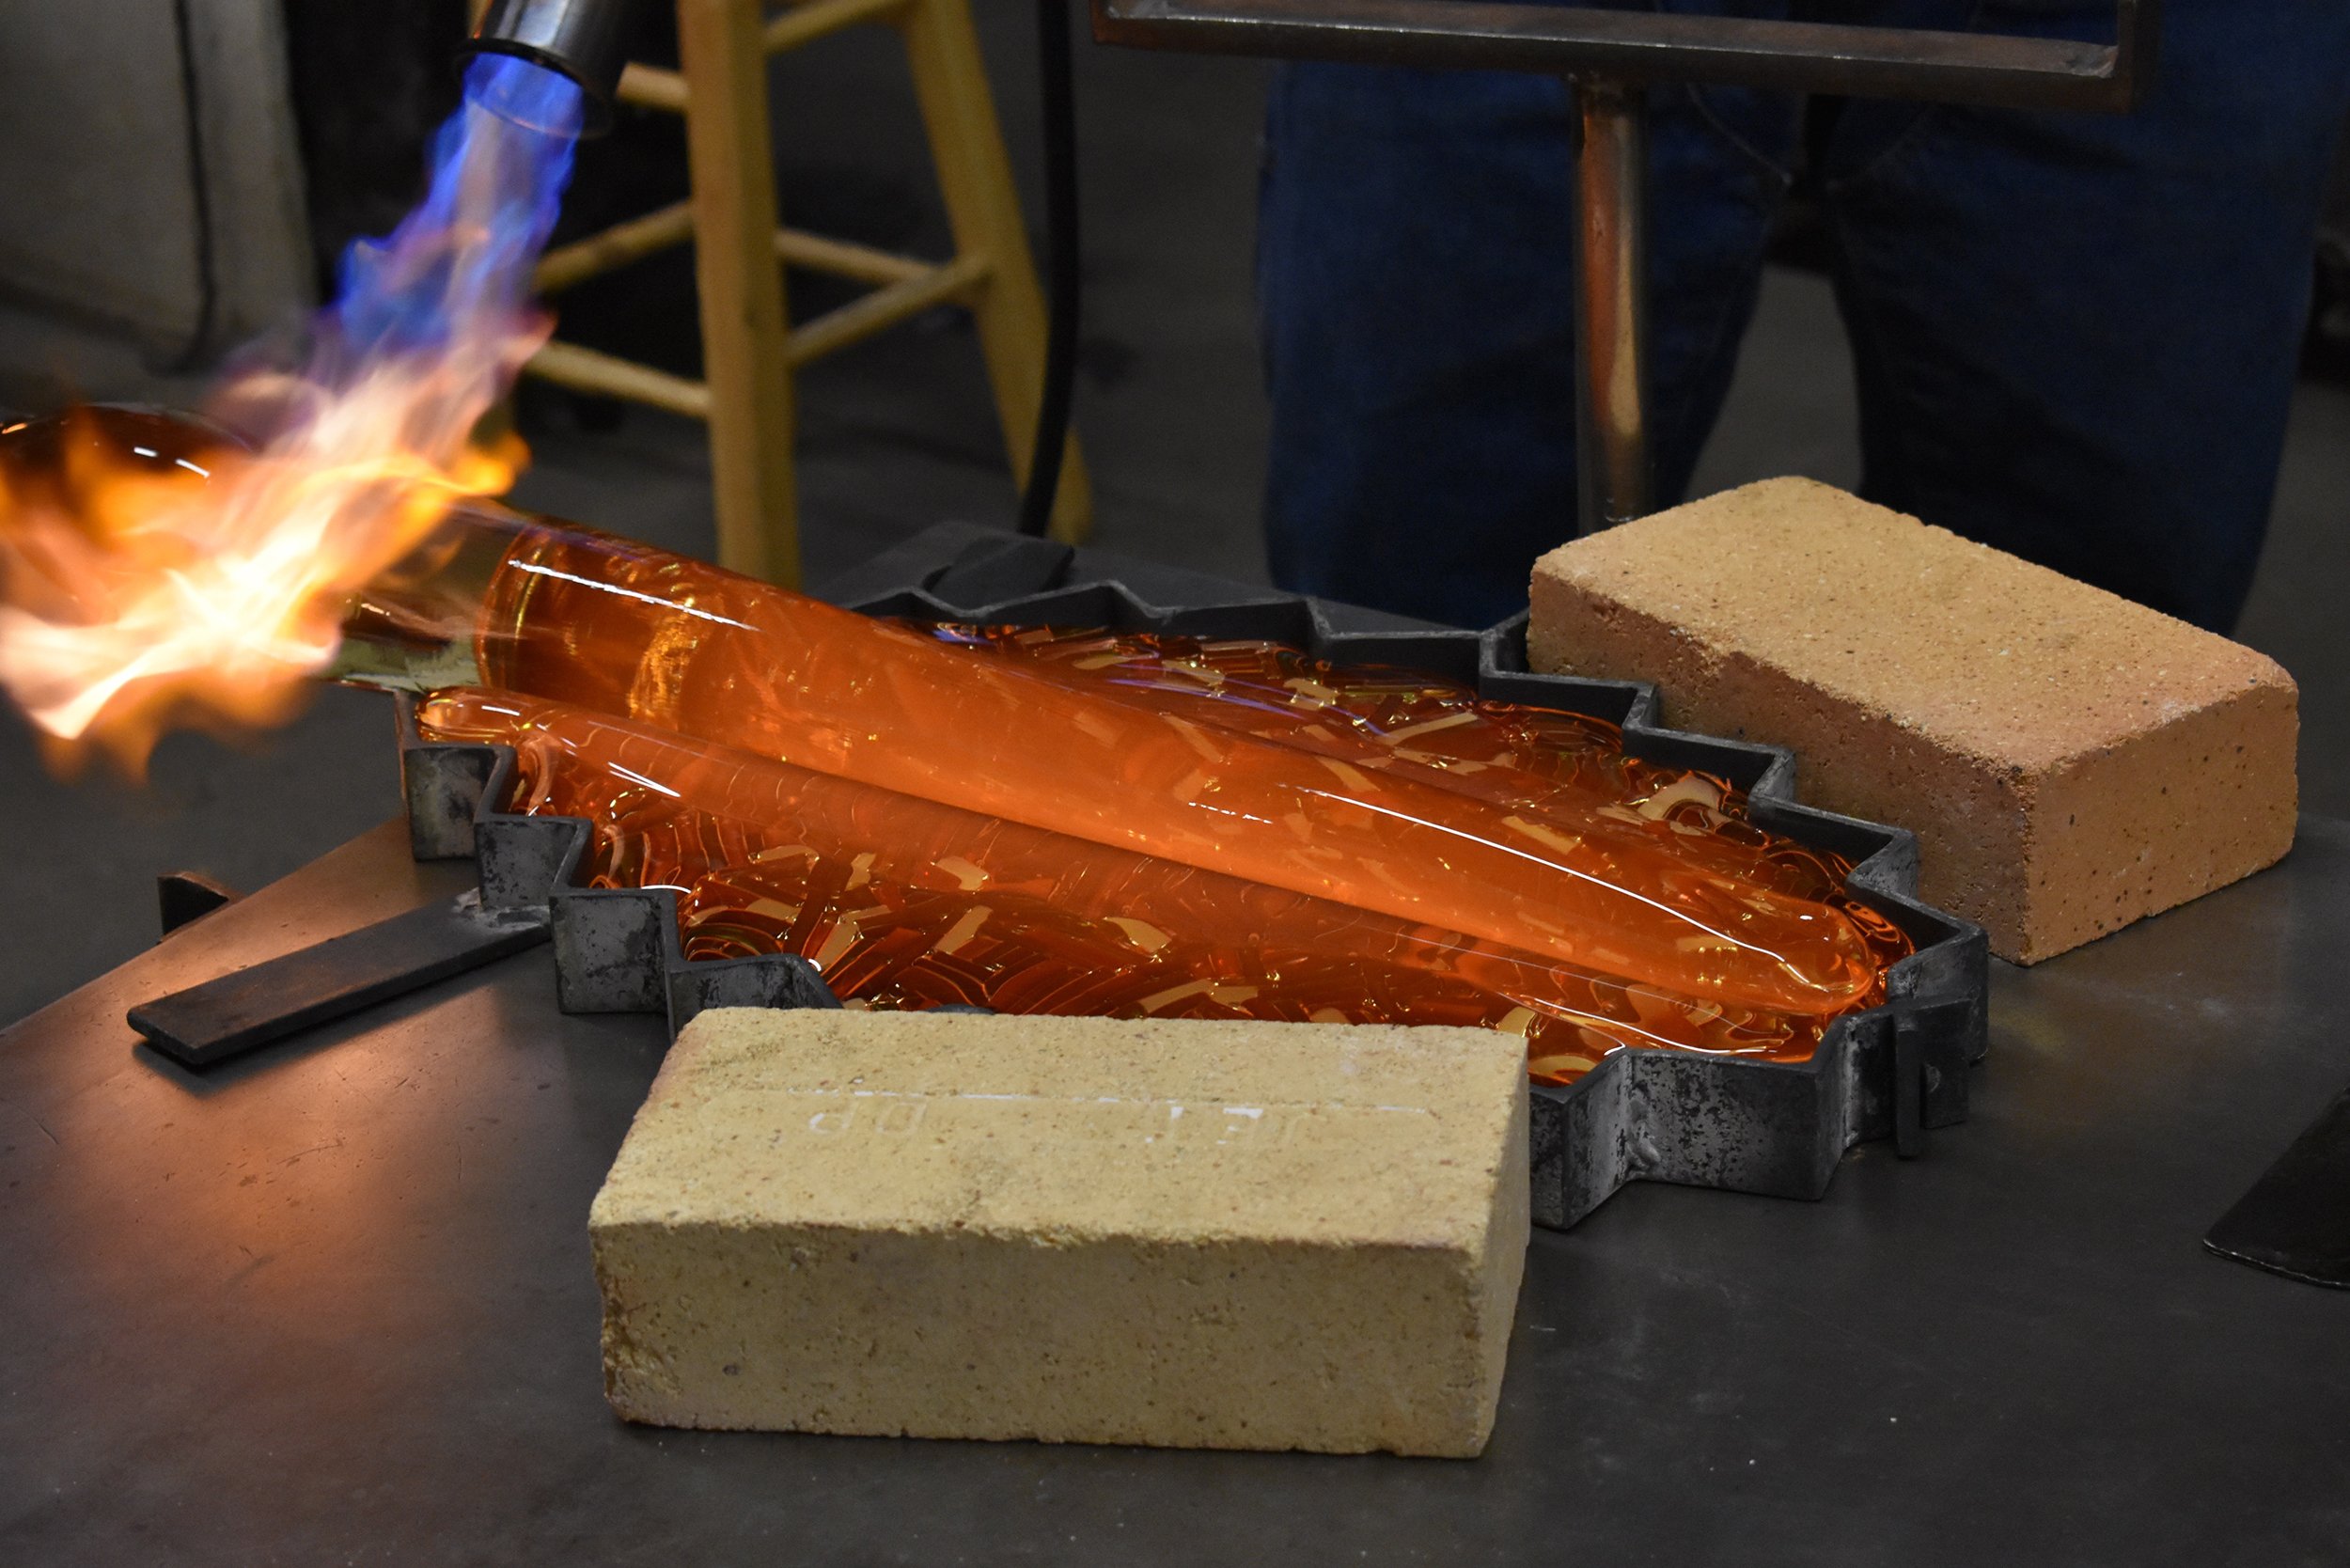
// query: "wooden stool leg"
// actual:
[[744, 324], [983, 208]]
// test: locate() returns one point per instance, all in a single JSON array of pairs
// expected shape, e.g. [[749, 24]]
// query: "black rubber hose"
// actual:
[[1057, 70]]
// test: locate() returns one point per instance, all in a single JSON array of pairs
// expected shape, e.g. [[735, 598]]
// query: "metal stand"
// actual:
[[1611, 303], [1609, 59]]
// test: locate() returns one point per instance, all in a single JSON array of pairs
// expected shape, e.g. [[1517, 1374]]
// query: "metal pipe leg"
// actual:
[[1611, 303]]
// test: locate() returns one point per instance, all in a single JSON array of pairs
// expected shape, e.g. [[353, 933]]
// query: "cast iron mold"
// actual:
[[1744, 1125]]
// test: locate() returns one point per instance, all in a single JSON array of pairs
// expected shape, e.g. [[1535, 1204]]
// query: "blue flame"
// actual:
[[526, 93], [459, 266]]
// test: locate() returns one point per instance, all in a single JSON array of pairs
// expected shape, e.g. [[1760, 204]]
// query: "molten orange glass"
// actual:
[[903, 902], [1534, 760], [625, 629], [1513, 862]]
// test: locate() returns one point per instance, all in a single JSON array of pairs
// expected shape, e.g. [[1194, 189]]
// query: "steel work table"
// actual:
[[332, 1303]]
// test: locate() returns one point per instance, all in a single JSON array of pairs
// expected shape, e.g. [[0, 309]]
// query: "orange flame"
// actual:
[[147, 587], [145, 595]]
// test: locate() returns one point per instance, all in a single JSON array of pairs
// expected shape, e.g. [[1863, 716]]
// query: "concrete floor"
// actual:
[[900, 433]]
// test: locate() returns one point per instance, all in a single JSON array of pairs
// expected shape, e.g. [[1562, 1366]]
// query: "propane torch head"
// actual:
[[583, 40]]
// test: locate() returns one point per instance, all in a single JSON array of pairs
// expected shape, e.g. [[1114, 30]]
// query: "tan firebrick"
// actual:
[[2070, 762], [1182, 1233]]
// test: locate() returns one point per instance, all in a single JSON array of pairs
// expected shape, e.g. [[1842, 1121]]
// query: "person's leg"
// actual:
[[2076, 334], [1415, 288]]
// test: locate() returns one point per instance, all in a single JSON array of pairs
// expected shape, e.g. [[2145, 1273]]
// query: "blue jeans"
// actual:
[[2074, 335]]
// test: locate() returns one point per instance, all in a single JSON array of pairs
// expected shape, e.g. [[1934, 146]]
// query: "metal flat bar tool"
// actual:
[[2296, 1220], [270, 1000]]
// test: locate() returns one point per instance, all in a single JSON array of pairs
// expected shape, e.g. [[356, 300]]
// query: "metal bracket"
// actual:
[[183, 897]]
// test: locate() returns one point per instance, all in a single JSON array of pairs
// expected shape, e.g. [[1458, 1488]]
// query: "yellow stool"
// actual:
[[749, 352]]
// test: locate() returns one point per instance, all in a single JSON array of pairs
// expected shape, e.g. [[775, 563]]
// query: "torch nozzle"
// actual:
[[586, 41]]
